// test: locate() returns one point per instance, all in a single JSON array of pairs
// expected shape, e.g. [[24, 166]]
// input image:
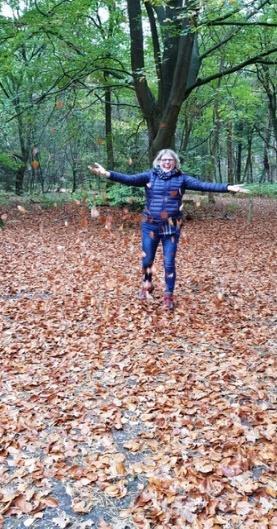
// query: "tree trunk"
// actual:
[[270, 87], [108, 126], [25, 146], [219, 169], [230, 160], [266, 176], [248, 171], [239, 152], [272, 110], [74, 180], [239, 155], [187, 128], [214, 142], [19, 180], [178, 67], [36, 168]]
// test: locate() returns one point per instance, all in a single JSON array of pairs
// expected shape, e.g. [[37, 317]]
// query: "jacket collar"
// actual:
[[157, 171]]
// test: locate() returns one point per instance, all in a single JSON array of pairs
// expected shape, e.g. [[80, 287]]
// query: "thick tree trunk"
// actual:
[[145, 97], [165, 135], [177, 69]]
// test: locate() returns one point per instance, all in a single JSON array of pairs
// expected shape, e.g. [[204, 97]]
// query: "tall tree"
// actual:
[[176, 26]]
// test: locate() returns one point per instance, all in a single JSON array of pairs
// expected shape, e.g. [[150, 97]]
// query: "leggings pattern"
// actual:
[[150, 242]]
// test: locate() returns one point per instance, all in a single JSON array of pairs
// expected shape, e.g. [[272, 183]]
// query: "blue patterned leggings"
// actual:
[[151, 237]]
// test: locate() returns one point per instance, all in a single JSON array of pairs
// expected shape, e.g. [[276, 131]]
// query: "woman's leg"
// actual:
[[150, 241], [170, 244]]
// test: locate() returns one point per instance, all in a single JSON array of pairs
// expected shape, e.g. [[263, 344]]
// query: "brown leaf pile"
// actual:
[[164, 420]]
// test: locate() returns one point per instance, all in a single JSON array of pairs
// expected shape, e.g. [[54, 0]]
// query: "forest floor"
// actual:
[[116, 414]]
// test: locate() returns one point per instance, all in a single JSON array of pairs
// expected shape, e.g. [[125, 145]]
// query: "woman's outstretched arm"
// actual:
[[195, 184], [139, 179]]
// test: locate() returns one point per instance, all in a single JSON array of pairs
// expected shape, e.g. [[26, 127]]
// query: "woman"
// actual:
[[164, 186]]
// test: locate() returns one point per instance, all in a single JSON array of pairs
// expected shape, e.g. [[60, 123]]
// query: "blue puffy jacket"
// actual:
[[164, 196]]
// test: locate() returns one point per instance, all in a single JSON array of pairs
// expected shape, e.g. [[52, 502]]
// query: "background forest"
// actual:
[[113, 81]]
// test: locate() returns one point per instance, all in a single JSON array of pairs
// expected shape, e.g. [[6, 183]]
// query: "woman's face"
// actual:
[[167, 162]]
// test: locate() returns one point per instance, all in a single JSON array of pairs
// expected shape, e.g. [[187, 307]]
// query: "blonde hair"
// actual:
[[169, 152]]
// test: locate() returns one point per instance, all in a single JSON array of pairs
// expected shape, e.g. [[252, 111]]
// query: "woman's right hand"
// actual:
[[98, 170]]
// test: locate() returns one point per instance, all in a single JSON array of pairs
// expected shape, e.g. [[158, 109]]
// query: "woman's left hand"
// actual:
[[238, 188]]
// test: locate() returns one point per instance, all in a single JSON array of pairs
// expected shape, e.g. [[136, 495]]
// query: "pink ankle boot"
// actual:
[[146, 291], [168, 301]]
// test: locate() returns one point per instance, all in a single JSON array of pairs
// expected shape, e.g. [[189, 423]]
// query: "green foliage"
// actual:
[[263, 190], [44, 200], [8, 162], [120, 195], [49, 200], [5, 198]]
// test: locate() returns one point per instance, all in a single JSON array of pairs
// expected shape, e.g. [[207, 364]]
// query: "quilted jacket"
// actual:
[[164, 196]]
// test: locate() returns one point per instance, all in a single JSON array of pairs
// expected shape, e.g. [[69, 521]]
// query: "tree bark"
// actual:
[[145, 97], [230, 160], [248, 171], [178, 69], [25, 146], [108, 127], [266, 174], [239, 152], [74, 180], [238, 165], [268, 84], [19, 180]]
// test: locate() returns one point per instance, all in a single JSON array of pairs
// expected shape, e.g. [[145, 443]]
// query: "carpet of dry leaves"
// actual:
[[116, 414]]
